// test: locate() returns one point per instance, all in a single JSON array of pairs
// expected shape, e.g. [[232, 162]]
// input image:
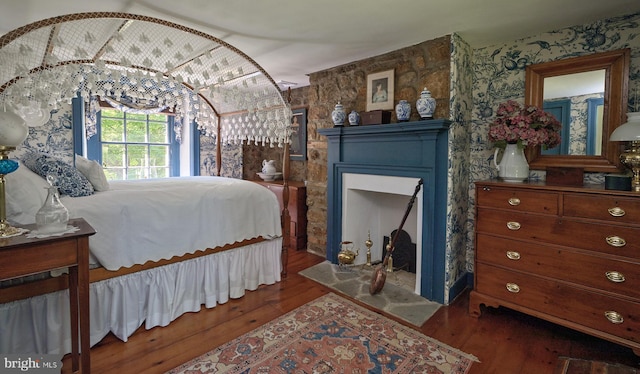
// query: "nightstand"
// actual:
[[297, 209], [21, 256]]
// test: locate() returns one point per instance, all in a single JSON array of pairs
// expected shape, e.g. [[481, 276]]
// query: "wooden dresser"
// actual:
[[569, 255], [297, 209]]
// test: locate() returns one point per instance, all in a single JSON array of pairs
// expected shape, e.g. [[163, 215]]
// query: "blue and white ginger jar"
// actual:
[[426, 104], [338, 115], [403, 111], [354, 118]]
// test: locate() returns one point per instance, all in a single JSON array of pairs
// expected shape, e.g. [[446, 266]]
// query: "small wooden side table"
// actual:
[[21, 256]]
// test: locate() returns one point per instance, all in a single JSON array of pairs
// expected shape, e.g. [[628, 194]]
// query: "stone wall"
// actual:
[[426, 64]]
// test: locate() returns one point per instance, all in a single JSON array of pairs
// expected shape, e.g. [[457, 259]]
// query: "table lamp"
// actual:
[[13, 131], [630, 131]]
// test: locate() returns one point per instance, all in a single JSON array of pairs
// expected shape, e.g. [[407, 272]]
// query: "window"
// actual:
[[134, 146]]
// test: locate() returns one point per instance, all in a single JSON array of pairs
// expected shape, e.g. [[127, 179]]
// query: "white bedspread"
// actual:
[[141, 220]]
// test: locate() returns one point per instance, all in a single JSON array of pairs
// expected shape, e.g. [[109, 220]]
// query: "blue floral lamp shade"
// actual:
[[13, 131]]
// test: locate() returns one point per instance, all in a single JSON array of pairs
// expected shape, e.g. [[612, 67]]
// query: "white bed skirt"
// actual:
[[155, 297]]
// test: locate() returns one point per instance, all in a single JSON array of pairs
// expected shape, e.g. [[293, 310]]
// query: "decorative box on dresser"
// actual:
[[297, 209], [569, 255]]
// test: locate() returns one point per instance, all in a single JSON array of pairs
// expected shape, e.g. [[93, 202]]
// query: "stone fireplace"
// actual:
[[372, 173]]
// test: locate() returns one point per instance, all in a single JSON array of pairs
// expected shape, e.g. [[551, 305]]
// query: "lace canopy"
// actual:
[[142, 63]]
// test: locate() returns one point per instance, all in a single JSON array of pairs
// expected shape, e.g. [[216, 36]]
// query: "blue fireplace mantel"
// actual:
[[408, 149]]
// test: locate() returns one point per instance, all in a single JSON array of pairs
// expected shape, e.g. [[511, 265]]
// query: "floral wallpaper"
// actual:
[[231, 158], [499, 75], [458, 178]]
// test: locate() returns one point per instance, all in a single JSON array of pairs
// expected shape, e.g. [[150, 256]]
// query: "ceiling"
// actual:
[[292, 38]]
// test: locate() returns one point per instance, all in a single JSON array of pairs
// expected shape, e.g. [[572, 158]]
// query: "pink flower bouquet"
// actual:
[[525, 126]]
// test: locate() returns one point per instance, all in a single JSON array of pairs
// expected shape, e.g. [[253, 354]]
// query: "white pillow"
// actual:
[[93, 171], [26, 192]]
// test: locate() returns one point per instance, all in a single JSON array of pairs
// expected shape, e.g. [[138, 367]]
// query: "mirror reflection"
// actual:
[[596, 153], [577, 101]]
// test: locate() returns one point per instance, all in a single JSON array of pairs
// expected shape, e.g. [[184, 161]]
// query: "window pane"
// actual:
[[158, 132], [114, 174], [158, 117], [112, 130], [159, 173], [159, 155], [136, 132], [137, 117], [135, 146], [113, 155], [112, 113], [137, 155], [136, 173]]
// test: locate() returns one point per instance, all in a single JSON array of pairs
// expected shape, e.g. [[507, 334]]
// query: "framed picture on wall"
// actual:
[[298, 147], [380, 90]]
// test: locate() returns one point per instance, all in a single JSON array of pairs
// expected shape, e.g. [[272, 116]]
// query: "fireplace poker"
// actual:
[[380, 274]]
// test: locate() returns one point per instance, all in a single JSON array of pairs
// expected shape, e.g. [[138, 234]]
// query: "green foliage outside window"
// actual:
[[135, 146]]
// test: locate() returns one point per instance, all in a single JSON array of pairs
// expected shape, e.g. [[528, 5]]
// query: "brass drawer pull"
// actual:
[[512, 225], [512, 287], [615, 276], [616, 241], [614, 317], [512, 255], [514, 201], [617, 212]]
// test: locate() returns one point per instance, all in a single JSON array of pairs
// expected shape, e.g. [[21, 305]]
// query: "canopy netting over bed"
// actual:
[[145, 64]]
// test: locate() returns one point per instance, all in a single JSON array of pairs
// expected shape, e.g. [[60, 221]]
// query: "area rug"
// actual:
[[331, 335], [566, 365], [395, 298]]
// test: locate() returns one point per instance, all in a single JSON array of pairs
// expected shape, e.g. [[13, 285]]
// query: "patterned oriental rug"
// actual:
[[331, 335]]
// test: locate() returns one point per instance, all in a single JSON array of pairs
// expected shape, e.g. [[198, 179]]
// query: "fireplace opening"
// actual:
[[373, 207]]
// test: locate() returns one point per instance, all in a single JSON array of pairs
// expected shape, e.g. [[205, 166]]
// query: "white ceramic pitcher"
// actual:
[[513, 167], [268, 167]]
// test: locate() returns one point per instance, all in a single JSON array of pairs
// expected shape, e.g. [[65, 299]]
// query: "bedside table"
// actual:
[[297, 209], [21, 256]]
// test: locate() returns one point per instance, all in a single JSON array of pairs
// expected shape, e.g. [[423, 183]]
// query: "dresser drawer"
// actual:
[[607, 274], [590, 309], [518, 200], [603, 238], [608, 208], [516, 225]]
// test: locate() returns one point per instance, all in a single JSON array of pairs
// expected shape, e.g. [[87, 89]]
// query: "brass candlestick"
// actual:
[[390, 262], [369, 244]]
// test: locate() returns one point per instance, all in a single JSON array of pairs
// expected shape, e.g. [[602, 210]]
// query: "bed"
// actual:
[[213, 91], [212, 239]]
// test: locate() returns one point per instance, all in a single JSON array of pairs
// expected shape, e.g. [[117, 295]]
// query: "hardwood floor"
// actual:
[[504, 341]]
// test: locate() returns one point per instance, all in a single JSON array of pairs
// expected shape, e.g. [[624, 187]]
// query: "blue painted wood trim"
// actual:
[[465, 281], [94, 146], [561, 109], [592, 112], [410, 149], [77, 124]]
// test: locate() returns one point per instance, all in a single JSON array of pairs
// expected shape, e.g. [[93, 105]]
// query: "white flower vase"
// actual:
[[513, 166]]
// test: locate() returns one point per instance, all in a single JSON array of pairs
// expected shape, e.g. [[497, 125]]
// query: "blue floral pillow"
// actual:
[[67, 178]]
